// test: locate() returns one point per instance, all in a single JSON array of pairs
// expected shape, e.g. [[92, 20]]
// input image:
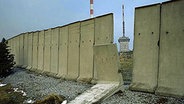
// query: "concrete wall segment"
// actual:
[[106, 64], [146, 37], [63, 51], [17, 51], [104, 29], [73, 51], [21, 49], [47, 50], [54, 50], [25, 63], [41, 41], [171, 63], [35, 51], [86, 51], [30, 48]]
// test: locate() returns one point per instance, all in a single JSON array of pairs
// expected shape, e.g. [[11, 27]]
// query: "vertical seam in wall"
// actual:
[[93, 50], [19, 50], [23, 50], [50, 33], [37, 48], [43, 50], [32, 49], [58, 51], [134, 45], [67, 50], [79, 49], [160, 19]]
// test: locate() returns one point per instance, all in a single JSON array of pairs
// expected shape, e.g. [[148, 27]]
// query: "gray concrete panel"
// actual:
[[21, 49], [104, 29], [35, 51], [86, 51], [63, 51], [41, 50], [30, 48], [171, 68], [47, 50], [146, 37], [106, 63], [9, 44], [17, 51], [25, 63], [73, 51], [13, 47], [54, 50]]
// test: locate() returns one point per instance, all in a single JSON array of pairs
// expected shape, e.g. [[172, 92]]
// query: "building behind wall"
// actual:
[[124, 41]]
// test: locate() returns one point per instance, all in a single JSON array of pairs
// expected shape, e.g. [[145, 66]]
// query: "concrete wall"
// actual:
[[86, 50], [73, 50], [25, 49], [146, 37], [41, 50], [30, 47], [47, 50], [105, 59], [160, 68], [35, 51], [63, 51], [171, 63], [54, 50], [68, 51]]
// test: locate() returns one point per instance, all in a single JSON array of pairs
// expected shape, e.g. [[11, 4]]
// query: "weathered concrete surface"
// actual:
[[17, 51], [25, 62], [86, 51], [146, 37], [54, 50], [96, 93], [41, 51], [35, 51], [21, 50], [81, 51], [106, 64], [171, 63], [104, 29], [47, 51], [30, 46], [73, 51], [63, 52]]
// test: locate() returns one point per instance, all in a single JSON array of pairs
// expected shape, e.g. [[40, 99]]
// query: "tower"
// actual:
[[124, 41], [91, 9]]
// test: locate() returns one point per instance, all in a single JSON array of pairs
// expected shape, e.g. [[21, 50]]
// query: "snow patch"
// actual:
[[64, 102], [16, 90], [29, 101], [1, 85]]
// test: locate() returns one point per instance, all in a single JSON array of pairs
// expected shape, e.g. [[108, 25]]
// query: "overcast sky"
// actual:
[[18, 16]]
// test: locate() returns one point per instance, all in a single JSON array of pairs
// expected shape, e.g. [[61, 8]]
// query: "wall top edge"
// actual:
[[104, 15], [171, 1], [147, 6], [62, 25], [158, 4]]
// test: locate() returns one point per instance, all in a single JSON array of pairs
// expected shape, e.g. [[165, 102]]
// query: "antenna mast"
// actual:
[[123, 21], [91, 9]]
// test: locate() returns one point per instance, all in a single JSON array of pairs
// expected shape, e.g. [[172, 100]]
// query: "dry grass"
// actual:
[[8, 96]]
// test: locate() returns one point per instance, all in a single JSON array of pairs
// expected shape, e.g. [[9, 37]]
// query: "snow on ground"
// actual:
[[1, 85]]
